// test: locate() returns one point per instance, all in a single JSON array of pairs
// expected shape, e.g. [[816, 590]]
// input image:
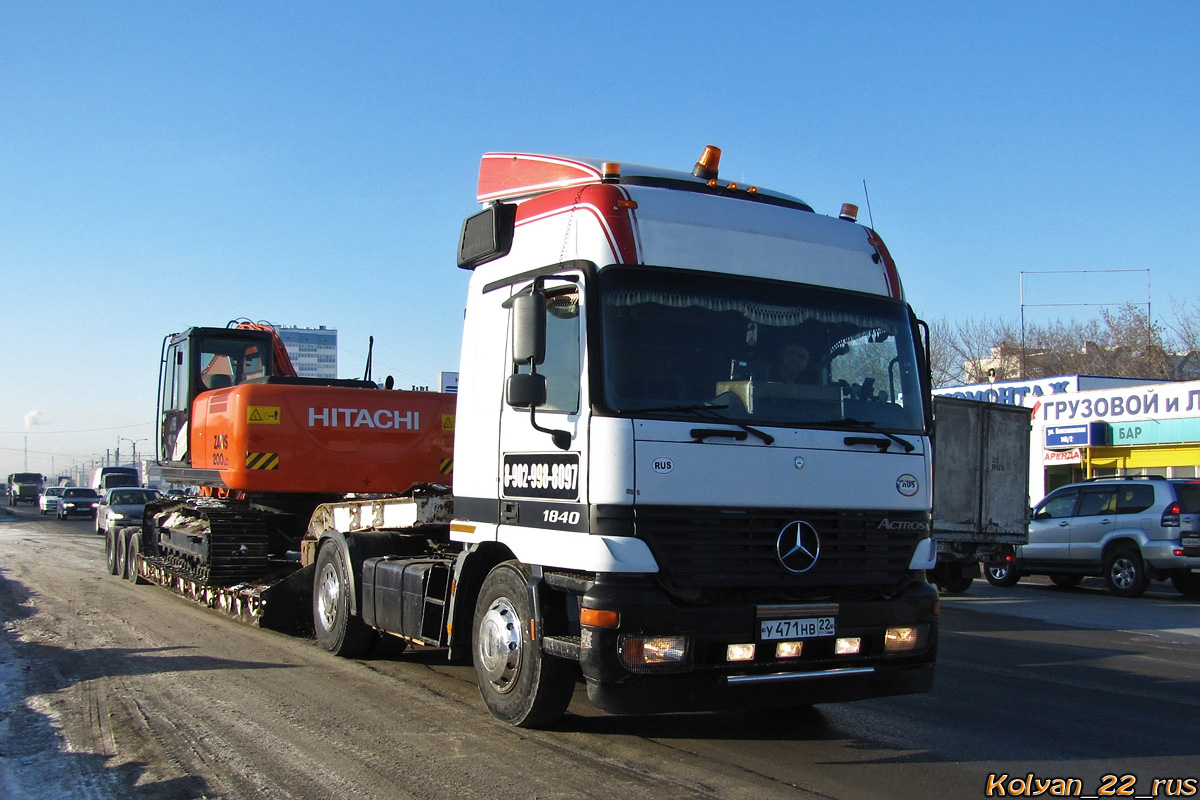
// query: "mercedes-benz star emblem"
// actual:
[[798, 546]]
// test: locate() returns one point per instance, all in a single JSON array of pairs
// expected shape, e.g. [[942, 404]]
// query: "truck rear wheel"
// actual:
[[519, 683], [338, 631]]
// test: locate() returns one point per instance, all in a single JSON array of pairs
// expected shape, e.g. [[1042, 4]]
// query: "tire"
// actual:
[[133, 548], [110, 553], [1066, 580], [955, 584], [1002, 575], [1187, 585], [338, 631], [519, 683], [1124, 573], [120, 545]]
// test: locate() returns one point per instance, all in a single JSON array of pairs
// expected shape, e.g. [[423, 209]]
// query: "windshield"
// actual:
[[757, 351], [27, 477], [132, 498]]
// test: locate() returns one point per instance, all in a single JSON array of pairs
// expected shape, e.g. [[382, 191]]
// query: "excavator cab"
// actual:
[[201, 360]]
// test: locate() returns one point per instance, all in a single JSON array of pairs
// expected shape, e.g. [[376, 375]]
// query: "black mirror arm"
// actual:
[[561, 439]]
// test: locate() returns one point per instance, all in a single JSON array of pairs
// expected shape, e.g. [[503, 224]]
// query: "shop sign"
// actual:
[[1156, 431], [1082, 435], [1051, 457]]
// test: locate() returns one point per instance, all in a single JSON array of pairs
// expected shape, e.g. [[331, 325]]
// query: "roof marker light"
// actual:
[[849, 212], [710, 161], [732, 186], [611, 171]]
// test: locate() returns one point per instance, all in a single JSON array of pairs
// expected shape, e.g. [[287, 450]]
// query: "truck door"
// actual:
[[541, 483]]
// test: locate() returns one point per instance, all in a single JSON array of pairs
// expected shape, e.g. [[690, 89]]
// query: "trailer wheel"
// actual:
[[519, 683], [110, 553], [120, 543], [338, 631], [132, 549]]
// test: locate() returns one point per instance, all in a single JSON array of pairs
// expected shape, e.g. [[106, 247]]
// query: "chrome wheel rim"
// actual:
[[500, 645], [328, 593], [1124, 573]]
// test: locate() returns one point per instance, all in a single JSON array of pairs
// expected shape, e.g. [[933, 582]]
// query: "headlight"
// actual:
[[115, 515]]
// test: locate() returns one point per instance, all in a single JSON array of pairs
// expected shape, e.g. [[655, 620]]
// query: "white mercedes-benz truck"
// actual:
[[691, 458]]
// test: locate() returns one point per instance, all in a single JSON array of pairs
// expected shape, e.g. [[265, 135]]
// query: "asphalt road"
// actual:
[[109, 690]]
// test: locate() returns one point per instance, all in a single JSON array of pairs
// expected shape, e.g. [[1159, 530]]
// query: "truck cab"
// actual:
[[714, 527]]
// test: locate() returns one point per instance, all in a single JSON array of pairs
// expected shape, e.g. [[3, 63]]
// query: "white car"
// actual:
[[123, 506], [48, 499]]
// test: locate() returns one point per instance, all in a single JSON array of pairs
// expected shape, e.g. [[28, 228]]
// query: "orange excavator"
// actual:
[[263, 447]]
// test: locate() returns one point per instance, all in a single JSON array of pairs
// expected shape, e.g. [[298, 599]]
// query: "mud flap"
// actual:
[[287, 605]]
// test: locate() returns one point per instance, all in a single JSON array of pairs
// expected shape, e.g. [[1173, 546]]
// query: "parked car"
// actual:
[[122, 506], [1129, 530], [77, 501], [48, 499]]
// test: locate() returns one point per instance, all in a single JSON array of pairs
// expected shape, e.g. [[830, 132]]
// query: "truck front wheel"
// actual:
[[338, 631], [519, 683]]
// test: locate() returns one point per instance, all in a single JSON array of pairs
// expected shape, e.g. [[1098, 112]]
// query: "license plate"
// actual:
[[808, 628], [1191, 541]]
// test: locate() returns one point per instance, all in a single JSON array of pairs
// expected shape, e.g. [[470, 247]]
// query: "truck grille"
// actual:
[[703, 548]]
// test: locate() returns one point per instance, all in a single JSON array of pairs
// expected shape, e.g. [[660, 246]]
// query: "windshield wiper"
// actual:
[[864, 425], [708, 411]]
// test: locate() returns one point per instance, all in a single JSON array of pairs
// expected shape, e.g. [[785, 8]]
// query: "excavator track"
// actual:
[[216, 553], [213, 542]]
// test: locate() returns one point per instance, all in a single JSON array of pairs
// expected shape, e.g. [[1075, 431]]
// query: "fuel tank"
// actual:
[[288, 438]]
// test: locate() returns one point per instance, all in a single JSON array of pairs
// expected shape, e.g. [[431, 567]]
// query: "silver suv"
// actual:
[[1128, 530]]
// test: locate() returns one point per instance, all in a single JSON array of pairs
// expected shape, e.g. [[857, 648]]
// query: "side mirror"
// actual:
[[526, 390], [529, 328]]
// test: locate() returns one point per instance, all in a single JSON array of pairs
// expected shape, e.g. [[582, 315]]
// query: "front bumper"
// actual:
[[68, 510], [706, 680]]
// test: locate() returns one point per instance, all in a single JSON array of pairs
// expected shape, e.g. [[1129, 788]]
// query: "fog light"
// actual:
[[788, 649], [642, 653], [739, 652], [900, 639], [848, 646]]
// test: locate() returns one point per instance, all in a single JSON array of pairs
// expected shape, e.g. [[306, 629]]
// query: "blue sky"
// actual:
[[186, 163]]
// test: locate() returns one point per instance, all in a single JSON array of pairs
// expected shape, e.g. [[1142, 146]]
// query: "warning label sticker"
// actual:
[[263, 415]]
